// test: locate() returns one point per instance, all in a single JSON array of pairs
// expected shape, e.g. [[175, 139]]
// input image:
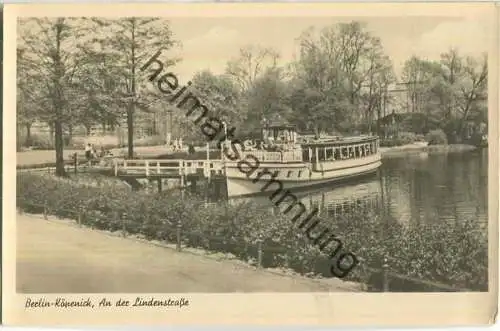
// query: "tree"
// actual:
[[49, 49], [268, 97], [473, 90], [222, 97], [449, 92], [250, 64], [344, 69], [126, 44]]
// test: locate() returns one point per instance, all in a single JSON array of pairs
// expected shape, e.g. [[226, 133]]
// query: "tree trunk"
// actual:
[[51, 133], [18, 138], [59, 148], [28, 134], [70, 134], [130, 127], [130, 113], [87, 129]]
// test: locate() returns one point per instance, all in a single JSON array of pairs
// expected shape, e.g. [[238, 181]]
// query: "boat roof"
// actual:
[[279, 125], [339, 141]]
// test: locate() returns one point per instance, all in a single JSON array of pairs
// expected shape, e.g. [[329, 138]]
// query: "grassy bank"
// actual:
[[453, 254]]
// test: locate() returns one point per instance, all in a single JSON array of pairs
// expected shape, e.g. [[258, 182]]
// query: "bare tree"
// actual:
[[250, 64]]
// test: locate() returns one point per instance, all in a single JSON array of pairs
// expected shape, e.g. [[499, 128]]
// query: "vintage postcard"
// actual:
[[259, 164]]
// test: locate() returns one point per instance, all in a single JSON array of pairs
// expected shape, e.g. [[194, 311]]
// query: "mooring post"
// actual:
[[79, 220], [45, 211], [179, 227], [287, 260], [260, 253], [75, 158], [385, 276], [124, 220]]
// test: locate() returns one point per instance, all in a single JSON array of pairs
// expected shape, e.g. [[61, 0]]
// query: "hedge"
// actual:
[[450, 253]]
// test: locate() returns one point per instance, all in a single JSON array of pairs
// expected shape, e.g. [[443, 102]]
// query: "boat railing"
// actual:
[[278, 157]]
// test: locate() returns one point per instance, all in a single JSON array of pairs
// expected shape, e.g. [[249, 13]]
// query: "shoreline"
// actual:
[[28, 159], [421, 148]]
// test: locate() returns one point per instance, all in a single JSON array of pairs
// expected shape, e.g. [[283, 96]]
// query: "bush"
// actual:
[[108, 141], [150, 141], [403, 138], [436, 137], [39, 141], [452, 254]]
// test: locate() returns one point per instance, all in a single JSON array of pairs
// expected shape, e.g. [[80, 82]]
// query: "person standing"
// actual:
[[176, 144], [88, 152]]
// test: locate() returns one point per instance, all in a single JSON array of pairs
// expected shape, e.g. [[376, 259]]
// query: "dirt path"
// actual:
[[56, 257]]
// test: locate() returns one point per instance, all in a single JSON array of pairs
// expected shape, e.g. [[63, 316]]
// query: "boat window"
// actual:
[[300, 173], [344, 153], [336, 153], [321, 153], [305, 155], [351, 152], [329, 154], [289, 174]]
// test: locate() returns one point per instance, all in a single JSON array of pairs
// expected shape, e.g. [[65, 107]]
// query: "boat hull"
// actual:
[[239, 184]]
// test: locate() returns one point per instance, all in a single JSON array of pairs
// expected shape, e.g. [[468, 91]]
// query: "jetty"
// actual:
[[184, 170]]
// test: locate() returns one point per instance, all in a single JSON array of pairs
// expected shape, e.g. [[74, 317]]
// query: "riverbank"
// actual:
[[47, 157], [422, 147], [260, 237]]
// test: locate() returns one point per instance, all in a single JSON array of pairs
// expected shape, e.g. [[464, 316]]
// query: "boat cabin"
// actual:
[[339, 150]]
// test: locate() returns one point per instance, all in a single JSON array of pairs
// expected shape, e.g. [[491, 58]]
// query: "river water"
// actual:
[[414, 188]]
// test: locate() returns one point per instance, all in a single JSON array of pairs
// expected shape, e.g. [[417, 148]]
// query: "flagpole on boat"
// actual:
[[224, 124]]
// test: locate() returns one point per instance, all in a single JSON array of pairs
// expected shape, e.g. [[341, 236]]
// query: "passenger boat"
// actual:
[[284, 161]]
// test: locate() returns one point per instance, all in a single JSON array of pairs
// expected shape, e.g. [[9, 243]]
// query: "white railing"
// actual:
[[165, 166]]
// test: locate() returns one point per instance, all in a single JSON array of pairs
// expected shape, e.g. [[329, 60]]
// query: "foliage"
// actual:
[[49, 59], [68, 76], [454, 254], [340, 82], [436, 137], [448, 92], [251, 63], [342, 75], [402, 138]]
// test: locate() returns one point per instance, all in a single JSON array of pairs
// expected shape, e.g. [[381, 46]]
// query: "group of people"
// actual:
[[92, 154], [176, 145]]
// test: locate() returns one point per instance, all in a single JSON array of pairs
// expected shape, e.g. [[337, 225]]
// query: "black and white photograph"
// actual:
[[232, 153]]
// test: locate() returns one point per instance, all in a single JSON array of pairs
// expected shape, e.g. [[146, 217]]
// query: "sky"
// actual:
[[209, 42]]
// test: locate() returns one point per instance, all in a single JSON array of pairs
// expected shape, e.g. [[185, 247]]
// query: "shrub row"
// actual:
[[452, 254], [436, 137], [402, 138]]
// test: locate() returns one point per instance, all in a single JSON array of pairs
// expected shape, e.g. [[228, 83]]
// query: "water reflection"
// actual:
[[439, 187], [416, 188]]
